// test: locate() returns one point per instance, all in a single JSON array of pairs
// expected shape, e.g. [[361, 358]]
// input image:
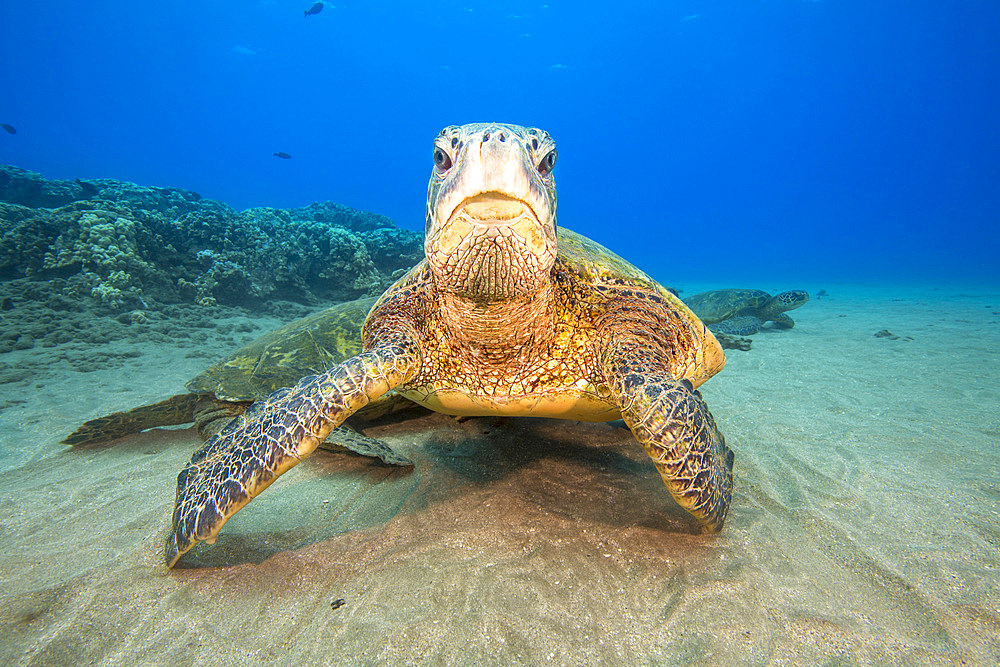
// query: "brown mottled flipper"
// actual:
[[672, 423], [645, 352], [212, 415], [272, 436]]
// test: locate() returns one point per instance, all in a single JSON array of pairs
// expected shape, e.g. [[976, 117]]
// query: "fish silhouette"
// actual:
[[315, 9], [283, 155], [10, 128]]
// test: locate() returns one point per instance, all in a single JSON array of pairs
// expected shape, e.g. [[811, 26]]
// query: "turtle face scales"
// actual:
[[491, 211]]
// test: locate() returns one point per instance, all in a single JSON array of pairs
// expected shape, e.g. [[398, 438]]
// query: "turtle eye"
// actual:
[[442, 161], [547, 163]]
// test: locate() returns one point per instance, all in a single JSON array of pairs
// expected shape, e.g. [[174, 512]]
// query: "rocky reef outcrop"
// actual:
[[126, 246]]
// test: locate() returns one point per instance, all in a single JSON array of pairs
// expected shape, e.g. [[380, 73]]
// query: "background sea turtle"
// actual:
[[278, 359], [742, 312], [503, 317]]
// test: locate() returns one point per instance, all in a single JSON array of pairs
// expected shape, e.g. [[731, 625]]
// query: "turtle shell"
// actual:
[[307, 346], [722, 304], [595, 264]]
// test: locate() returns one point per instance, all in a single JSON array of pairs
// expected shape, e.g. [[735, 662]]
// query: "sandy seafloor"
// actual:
[[865, 525]]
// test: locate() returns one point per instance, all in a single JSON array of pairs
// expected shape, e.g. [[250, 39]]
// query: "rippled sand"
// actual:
[[865, 525]]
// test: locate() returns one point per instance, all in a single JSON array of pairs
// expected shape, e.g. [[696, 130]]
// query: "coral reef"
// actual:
[[127, 246]]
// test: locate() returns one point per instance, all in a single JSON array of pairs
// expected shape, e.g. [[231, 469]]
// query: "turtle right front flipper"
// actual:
[[274, 435]]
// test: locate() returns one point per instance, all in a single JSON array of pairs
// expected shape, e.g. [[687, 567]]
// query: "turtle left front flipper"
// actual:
[[274, 435], [671, 421]]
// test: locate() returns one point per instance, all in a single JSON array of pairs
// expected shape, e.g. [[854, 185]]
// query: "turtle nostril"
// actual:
[[501, 137], [486, 136]]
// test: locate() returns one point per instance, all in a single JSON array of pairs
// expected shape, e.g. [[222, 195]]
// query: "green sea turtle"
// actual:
[[742, 312], [278, 359], [504, 316]]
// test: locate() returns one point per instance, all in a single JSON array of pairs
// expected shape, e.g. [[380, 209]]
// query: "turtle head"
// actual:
[[792, 299], [491, 211]]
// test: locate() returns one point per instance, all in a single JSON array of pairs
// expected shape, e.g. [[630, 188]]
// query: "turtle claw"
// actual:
[[173, 550]]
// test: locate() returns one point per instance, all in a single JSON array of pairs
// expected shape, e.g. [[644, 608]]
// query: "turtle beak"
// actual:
[[493, 209]]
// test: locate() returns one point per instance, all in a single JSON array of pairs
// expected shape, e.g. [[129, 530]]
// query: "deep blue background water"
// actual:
[[744, 141]]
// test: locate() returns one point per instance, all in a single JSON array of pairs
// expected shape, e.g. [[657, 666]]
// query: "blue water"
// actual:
[[742, 141]]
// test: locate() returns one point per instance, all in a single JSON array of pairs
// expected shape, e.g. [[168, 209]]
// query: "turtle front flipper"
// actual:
[[672, 423], [783, 321], [647, 357], [742, 325], [211, 415], [271, 437]]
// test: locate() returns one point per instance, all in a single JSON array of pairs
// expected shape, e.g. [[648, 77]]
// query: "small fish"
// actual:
[[10, 128], [283, 155], [315, 9]]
